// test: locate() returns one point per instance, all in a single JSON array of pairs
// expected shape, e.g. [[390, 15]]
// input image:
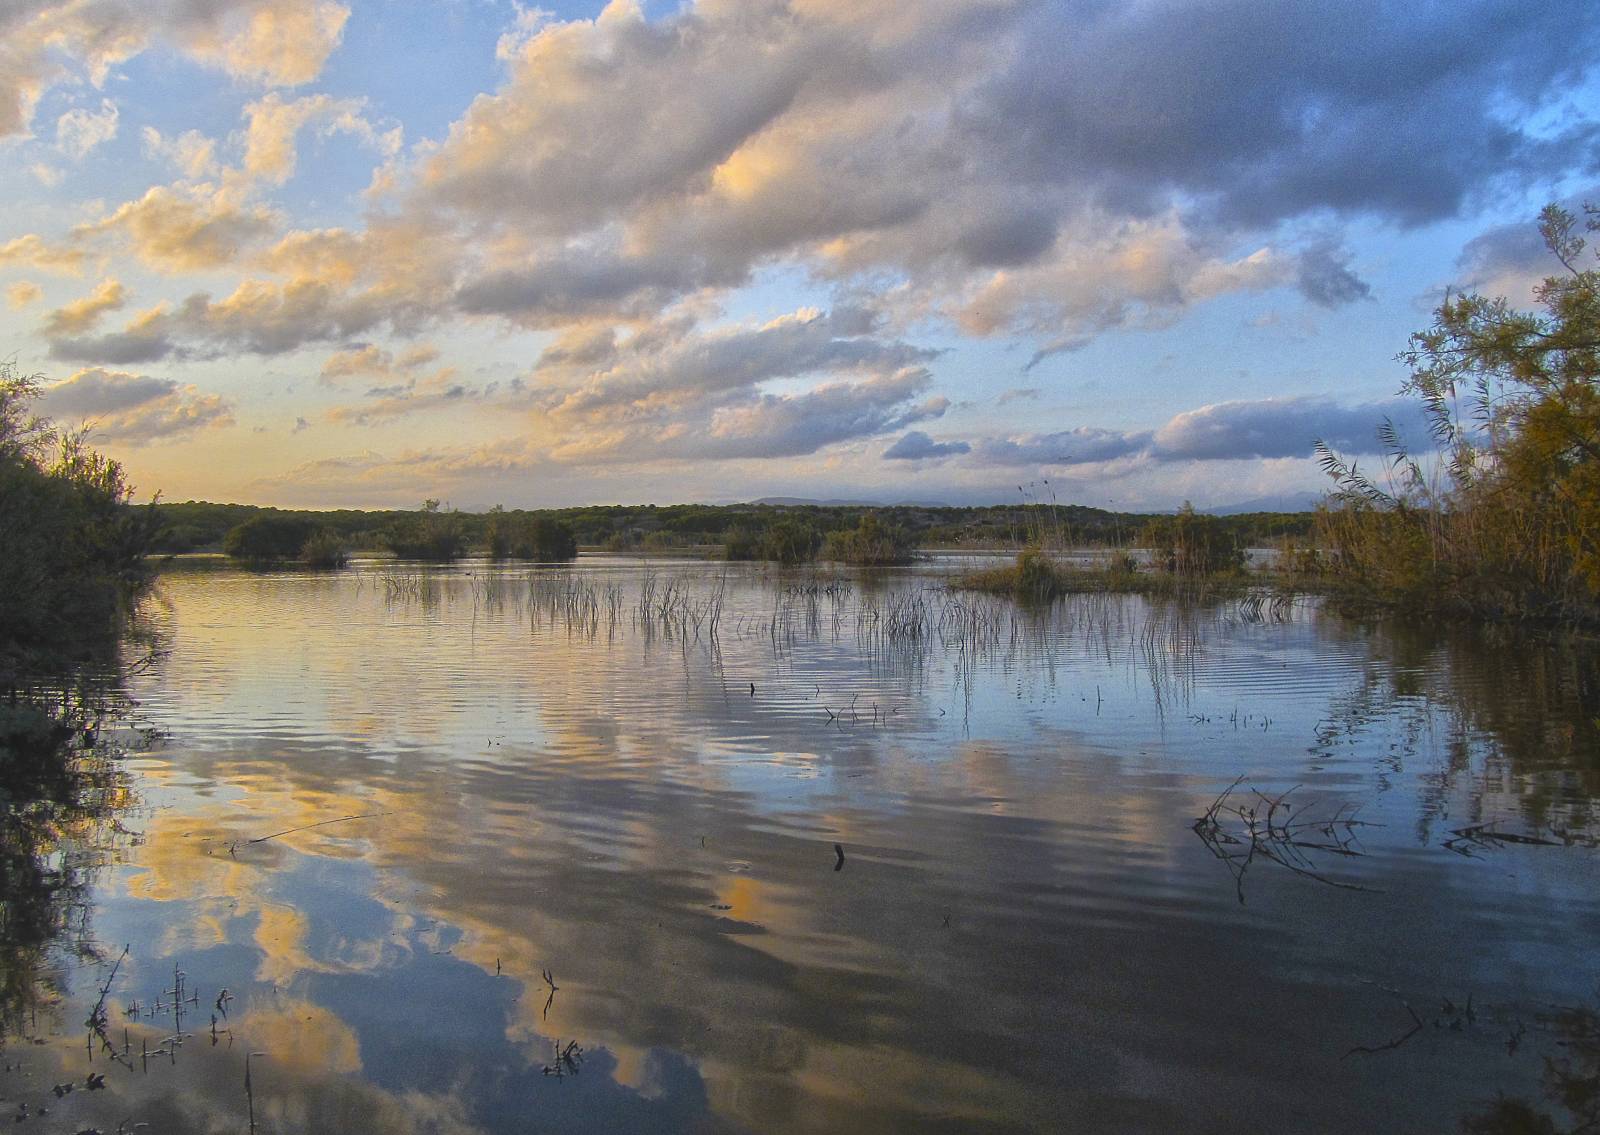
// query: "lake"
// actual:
[[683, 846]]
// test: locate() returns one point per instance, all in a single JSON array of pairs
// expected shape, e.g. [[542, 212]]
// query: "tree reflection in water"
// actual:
[[61, 795]]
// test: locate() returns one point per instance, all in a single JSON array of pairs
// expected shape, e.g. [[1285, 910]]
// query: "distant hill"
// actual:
[[1285, 502], [802, 502]]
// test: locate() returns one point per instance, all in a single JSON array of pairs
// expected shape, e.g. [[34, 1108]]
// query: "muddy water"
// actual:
[[574, 864]]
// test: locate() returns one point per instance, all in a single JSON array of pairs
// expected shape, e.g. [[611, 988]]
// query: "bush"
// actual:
[[269, 538], [74, 545], [542, 539], [1190, 543], [324, 550], [432, 534], [790, 542], [871, 543], [741, 543]]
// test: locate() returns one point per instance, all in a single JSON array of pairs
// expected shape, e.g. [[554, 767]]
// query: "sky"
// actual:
[[1122, 253]]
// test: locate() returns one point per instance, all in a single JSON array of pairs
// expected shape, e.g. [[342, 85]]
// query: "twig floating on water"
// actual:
[[319, 824]]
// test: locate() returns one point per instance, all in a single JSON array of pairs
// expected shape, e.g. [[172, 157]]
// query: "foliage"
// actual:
[[199, 526], [74, 544], [268, 538], [324, 549], [432, 534], [1503, 519], [520, 536], [790, 541], [1190, 543], [872, 543], [741, 543]]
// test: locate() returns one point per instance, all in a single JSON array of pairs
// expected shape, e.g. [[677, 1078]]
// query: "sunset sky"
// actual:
[[309, 253]]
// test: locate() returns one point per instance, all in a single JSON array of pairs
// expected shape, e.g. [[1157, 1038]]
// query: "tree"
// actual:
[[1506, 513]]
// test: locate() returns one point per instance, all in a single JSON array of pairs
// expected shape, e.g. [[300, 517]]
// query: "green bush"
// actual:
[[741, 543], [517, 536], [1191, 543], [790, 542], [324, 549], [269, 538], [871, 543], [73, 544], [431, 534]]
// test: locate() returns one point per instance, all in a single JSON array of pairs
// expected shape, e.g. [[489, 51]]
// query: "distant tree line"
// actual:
[[775, 532]]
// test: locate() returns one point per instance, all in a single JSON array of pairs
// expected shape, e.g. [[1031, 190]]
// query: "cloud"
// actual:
[[36, 252], [1283, 427], [272, 125], [1084, 445], [81, 315], [1267, 428], [22, 293], [918, 446], [273, 42], [132, 408], [78, 131], [436, 392], [184, 230], [1324, 276], [192, 152]]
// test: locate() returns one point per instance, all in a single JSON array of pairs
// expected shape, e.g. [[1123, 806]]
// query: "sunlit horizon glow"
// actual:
[[322, 254]]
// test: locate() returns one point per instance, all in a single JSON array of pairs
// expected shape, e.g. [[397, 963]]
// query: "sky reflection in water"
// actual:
[[1026, 932]]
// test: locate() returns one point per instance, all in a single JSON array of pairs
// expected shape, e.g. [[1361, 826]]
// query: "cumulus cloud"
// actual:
[[178, 229], [78, 130], [79, 316], [918, 446], [274, 42], [36, 252], [134, 409]]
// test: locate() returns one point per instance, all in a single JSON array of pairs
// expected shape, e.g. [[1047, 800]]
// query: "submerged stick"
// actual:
[[318, 824]]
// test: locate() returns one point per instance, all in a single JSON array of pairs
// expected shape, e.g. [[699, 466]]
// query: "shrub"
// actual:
[[324, 549], [431, 534], [269, 538], [517, 536], [871, 543], [74, 545], [790, 541], [1191, 543], [741, 543]]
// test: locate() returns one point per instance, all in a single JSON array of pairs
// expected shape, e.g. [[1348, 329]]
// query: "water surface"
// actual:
[[582, 871]]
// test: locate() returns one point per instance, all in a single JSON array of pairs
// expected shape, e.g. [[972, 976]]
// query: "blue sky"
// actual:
[[316, 253]]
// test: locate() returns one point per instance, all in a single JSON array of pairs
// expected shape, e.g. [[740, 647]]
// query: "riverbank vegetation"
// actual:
[[1501, 520], [74, 541], [1189, 553]]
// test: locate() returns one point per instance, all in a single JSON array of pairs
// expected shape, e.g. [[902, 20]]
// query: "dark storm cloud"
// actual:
[[1265, 110]]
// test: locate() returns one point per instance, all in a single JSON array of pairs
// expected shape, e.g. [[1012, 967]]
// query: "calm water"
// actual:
[[598, 780]]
